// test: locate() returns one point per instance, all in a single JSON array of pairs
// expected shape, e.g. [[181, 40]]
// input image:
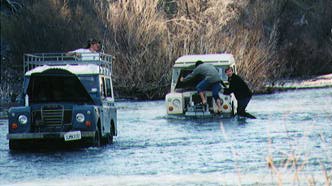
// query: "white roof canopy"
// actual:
[[187, 60], [75, 69]]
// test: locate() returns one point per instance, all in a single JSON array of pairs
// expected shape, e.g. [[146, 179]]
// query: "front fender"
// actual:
[[174, 103], [91, 114], [14, 126]]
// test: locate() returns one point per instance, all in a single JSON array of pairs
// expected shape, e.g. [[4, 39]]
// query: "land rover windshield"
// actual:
[[190, 85], [57, 86]]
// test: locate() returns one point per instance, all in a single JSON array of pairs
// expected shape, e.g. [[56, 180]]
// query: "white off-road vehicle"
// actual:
[[183, 100]]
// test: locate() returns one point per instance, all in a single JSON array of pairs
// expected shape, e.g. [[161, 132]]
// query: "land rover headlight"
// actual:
[[23, 119], [176, 103], [80, 117]]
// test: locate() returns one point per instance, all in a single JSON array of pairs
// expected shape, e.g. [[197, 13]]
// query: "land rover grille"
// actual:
[[51, 118]]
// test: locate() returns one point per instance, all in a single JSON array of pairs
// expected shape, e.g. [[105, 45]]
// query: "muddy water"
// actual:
[[293, 129]]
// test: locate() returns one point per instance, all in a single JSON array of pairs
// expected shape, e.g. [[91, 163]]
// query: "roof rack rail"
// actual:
[[104, 61]]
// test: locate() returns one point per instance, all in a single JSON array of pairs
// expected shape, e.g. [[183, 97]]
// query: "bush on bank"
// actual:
[[269, 39]]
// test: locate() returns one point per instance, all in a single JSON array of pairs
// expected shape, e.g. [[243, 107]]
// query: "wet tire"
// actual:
[[14, 145], [232, 112], [107, 140], [109, 137], [22, 145], [97, 139]]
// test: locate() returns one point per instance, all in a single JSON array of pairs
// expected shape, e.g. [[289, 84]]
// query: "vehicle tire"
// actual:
[[14, 145], [232, 112], [22, 145], [109, 137], [97, 139]]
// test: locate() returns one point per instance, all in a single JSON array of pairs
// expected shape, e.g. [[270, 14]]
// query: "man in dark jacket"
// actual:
[[241, 92], [211, 79]]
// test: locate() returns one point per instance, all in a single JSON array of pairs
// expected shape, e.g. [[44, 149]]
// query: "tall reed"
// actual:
[[269, 39], [146, 41]]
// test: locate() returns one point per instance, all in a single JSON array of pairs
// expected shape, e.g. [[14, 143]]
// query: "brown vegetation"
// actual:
[[290, 166], [269, 39]]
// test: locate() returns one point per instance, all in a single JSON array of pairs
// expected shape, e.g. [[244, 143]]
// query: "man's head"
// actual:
[[229, 71], [94, 45], [199, 62]]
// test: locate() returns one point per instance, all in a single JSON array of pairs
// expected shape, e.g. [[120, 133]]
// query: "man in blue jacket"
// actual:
[[241, 92]]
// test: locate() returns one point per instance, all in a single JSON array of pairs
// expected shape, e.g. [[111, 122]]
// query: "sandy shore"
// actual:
[[315, 82]]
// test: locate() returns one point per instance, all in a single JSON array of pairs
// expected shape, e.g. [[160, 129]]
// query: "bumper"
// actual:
[[47, 135]]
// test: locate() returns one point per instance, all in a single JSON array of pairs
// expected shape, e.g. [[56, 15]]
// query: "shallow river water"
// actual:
[[290, 142]]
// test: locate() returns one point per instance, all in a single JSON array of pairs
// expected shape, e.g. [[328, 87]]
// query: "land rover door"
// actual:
[[108, 110]]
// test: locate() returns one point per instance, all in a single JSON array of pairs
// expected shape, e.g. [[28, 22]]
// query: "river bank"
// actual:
[[322, 81], [4, 108]]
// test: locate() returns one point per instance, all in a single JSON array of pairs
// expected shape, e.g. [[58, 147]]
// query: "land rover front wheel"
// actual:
[[14, 145], [96, 140], [232, 111], [109, 137], [112, 131]]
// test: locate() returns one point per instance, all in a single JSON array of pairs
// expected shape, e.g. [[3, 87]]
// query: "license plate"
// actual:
[[73, 135]]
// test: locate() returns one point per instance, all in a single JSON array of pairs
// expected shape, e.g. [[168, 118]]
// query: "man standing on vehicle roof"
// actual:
[[89, 52], [241, 92], [211, 79]]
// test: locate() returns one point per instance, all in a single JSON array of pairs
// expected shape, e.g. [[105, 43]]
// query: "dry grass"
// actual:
[[146, 36], [146, 41], [138, 38], [42, 26], [290, 167]]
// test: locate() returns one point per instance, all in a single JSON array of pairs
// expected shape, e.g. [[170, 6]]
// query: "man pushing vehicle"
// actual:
[[241, 92], [211, 79]]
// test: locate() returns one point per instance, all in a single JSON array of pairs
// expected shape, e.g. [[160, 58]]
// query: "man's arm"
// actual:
[[223, 84], [194, 73], [75, 53], [72, 53], [229, 90]]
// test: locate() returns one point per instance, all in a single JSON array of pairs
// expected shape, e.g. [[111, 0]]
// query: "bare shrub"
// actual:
[[140, 45], [44, 26], [305, 37], [47, 26], [146, 42], [269, 39], [290, 166]]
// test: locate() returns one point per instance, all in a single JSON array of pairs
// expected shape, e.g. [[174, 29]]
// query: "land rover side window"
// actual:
[[89, 82], [222, 73], [175, 75], [234, 69], [108, 87], [102, 87]]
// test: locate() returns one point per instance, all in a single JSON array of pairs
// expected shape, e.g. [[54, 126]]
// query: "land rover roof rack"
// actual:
[[33, 60]]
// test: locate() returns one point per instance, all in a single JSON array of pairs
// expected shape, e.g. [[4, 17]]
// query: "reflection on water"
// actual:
[[291, 136]]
